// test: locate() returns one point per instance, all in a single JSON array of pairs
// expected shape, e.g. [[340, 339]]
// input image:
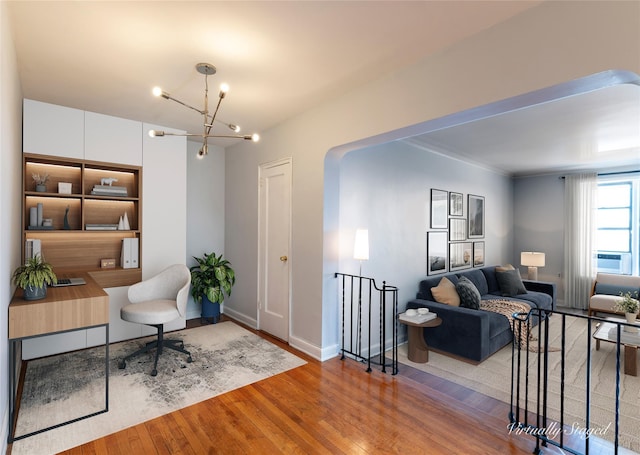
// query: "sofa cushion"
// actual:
[[445, 292], [478, 279], [603, 302], [503, 268], [510, 283], [469, 294]]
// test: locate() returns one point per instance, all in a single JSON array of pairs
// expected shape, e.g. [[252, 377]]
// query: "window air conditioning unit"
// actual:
[[618, 263]]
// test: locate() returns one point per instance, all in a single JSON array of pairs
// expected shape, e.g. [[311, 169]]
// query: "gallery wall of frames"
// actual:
[[453, 241]]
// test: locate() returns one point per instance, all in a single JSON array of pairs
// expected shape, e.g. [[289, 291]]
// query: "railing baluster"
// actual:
[[521, 379], [387, 299]]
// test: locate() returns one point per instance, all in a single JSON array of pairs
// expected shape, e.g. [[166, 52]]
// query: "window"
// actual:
[[618, 225]]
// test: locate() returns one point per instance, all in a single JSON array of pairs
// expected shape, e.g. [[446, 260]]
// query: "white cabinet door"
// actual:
[[49, 129], [112, 139]]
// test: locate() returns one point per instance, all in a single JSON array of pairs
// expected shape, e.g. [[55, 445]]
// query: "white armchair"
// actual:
[[155, 302]]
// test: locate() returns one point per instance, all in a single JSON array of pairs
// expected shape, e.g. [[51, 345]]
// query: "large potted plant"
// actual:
[[33, 278], [211, 279]]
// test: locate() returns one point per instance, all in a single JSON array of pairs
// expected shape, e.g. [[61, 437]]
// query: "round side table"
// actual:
[[417, 346]]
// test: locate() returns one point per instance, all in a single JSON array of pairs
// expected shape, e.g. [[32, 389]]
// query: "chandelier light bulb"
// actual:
[[224, 88], [157, 91], [255, 137], [233, 127]]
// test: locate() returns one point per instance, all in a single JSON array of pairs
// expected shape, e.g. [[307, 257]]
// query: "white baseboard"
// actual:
[[251, 322]]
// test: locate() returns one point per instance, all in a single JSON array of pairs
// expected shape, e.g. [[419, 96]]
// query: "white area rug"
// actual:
[[66, 386], [493, 378]]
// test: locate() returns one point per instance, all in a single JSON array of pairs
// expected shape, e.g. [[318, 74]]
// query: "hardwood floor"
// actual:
[[331, 407]]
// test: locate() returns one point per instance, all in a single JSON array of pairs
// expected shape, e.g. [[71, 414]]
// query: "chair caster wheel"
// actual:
[[122, 365], [189, 360], [154, 373]]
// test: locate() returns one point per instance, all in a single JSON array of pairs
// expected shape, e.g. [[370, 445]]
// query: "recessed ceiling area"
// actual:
[[593, 130]]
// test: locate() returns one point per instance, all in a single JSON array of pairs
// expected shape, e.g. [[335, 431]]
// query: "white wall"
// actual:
[[547, 45], [10, 197], [205, 207]]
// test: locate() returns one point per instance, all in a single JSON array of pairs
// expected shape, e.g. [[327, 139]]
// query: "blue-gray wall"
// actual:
[[386, 189]]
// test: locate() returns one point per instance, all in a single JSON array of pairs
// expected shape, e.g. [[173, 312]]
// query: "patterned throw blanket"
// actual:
[[507, 308]]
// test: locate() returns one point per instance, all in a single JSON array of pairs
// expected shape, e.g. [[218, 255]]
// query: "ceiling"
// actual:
[[283, 58], [598, 129]]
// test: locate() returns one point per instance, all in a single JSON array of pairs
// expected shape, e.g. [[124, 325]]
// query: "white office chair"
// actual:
[[155, 302]]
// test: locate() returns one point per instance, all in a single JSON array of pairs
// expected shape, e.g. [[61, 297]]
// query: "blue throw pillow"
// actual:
[[469, 294], [616, 289], [510, 283]]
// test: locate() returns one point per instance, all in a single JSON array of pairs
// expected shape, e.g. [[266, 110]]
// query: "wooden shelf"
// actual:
[[77, 248]]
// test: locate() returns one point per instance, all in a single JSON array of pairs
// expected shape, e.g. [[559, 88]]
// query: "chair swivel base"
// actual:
[[158, 345]]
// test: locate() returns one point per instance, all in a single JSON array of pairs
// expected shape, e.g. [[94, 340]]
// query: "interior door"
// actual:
[[274, 261]]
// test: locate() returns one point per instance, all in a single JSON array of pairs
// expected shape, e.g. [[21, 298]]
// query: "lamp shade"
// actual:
[[532, 259], [361, 245]]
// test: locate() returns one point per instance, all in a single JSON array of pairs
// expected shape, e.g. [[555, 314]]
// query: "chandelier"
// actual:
[[208, 119]]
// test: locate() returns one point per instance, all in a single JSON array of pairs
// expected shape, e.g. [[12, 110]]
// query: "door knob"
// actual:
[[283, 258]]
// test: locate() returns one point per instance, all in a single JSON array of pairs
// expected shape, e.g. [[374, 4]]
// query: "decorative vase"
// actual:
[[210, 310], [631, 319], [41, 188], [34, 293]]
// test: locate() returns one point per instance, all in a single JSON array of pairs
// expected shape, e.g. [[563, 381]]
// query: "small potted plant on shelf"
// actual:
[[40, 181], [33, 278], [629, 306], [211, 279]]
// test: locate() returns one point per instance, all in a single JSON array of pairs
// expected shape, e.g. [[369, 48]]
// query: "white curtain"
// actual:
[[580, 204]]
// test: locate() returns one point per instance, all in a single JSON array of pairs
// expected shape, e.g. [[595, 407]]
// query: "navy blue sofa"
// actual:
[[476, 334]]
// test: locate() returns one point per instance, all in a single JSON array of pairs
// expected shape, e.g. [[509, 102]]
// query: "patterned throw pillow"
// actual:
[[445, 292], [469, 294]]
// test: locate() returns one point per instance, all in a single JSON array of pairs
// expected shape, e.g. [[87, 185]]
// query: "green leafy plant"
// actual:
[[628, 304], [35, 273], [213, 277]]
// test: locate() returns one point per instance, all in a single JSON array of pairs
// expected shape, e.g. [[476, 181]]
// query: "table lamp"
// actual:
[[361, 246], [533, 260]]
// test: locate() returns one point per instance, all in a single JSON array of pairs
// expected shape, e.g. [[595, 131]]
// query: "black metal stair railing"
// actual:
[[530, 383], [366, 308]]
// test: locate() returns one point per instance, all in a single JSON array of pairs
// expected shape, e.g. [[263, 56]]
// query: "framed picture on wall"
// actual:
[[478, 254], [456, 204], [439, 208], [436, 252], [457, 229], [460, 255], [475, 209]]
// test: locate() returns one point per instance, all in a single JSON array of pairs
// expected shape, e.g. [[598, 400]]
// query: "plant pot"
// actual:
[[41, 188], [210, 310], [34, 293], [631, 319]]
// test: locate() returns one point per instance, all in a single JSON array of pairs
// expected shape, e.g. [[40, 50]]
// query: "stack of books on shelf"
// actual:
[[417, 318], [101, 227], [108, 190]]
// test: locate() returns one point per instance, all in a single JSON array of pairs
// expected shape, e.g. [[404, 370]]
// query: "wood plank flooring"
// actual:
[[331, 407]]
